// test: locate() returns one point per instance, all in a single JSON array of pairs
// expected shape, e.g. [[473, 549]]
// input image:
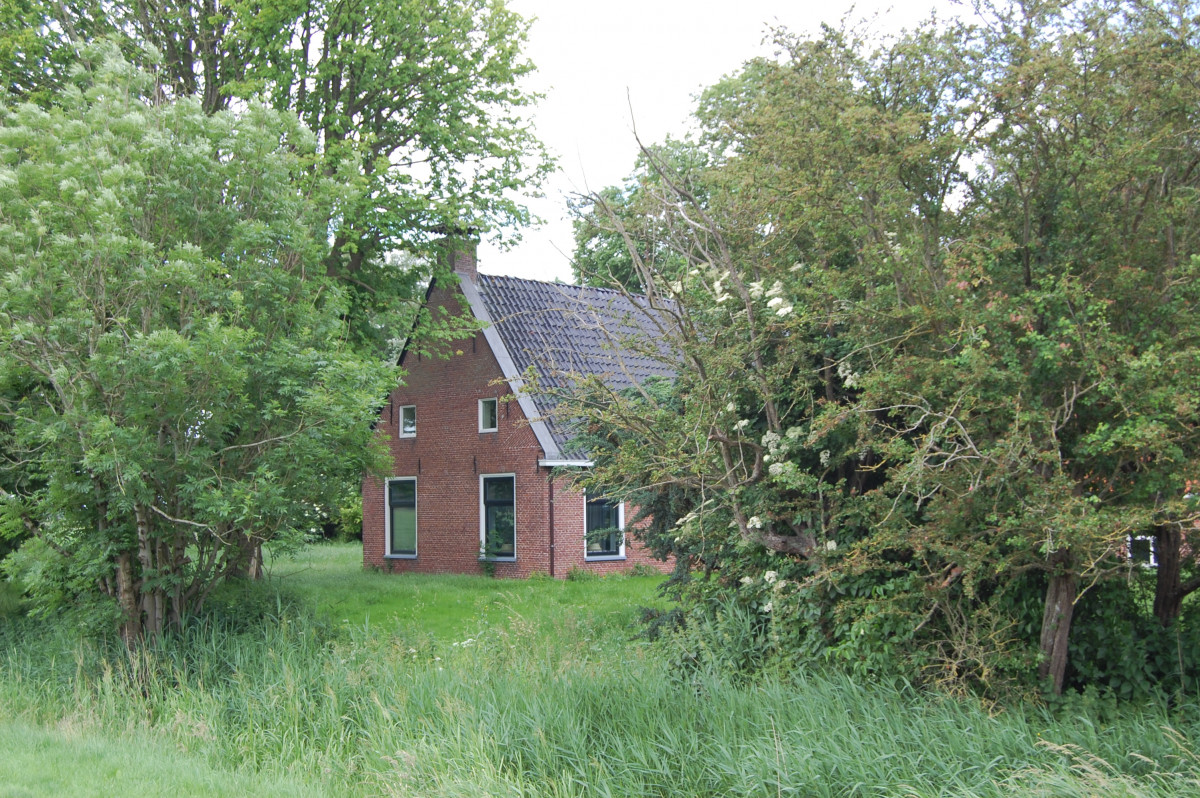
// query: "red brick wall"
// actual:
[[447, 457], [569, 537]]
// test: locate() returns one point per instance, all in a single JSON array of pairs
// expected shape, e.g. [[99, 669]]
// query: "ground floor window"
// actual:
[[603, 534], [402, 517], [498, 517]]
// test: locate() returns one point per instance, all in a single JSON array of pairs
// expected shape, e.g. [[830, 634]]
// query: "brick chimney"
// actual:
[[459, 254]]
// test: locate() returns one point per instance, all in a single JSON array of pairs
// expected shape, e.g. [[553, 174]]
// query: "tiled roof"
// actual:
[[564, 330]]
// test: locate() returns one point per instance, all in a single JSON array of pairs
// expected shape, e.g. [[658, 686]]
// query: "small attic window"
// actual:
[[408, 421], [488, 415]]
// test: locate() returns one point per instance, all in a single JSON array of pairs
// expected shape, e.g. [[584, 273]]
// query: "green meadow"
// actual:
[[325, 680]]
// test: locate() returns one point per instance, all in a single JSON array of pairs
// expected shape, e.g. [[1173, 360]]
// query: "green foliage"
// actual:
[[349, 518], [933, 306], [47, 763], [618, 233], [577, 574], [415, 104], [189, 392], [1118, 653], [536, 703]]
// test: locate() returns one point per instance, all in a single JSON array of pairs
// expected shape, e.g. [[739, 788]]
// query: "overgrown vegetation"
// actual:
[[212, 223], [537, 703], [936, 312]]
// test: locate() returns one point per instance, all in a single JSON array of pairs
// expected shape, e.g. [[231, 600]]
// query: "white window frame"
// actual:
[[496, 405], [620, 555], [483, 519], [387, 519], [1153, 543], [400, 427]]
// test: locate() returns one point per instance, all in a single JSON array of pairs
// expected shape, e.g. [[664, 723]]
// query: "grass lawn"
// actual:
[[449, 687], [448, 607], [65, 761]]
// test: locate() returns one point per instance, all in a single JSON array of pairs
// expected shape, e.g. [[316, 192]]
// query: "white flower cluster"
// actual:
[[850, 377]]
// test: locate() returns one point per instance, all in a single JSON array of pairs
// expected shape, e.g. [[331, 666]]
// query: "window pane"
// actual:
[[487, 414], [404, 530], [408, 420], [603, 522], [501, 526], [402, 491], [498, 489]]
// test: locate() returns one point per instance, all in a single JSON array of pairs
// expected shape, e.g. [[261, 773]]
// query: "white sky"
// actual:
[[597, 60]]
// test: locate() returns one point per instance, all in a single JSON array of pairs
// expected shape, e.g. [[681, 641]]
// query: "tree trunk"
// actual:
[[1168, 595], [131, 623], [152, 600], [1056, 618], [255, 570], [249, 558]]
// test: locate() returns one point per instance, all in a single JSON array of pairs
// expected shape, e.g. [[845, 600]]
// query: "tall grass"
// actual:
[[563, 706]]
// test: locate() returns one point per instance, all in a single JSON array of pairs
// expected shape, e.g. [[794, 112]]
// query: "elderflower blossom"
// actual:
[[775, 302], [756, 290], [731, 407], [755, 522], [776, 289], [783, 311], [848, 375], [831, 545], [775, 469], [745, 580], [770, 576], [742, 424], [797, 266], [770, 605]]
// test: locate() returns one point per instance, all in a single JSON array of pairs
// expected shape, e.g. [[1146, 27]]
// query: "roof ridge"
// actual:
[[615, 291]]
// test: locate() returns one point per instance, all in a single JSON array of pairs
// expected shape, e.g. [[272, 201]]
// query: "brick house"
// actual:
[[473, 477]]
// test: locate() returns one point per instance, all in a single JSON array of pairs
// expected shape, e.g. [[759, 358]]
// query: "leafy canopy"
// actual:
[[177, 384], [936, 311]]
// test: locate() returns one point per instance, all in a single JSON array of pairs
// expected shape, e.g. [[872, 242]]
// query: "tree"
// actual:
[[607, 223], [418, 102], [176, 383], [937, 338]]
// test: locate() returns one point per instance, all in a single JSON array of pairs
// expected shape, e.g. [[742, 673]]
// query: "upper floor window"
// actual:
[[489, 418], [408, 421]]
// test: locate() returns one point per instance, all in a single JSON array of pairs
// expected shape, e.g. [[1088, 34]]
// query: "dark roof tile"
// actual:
[[562, 331]]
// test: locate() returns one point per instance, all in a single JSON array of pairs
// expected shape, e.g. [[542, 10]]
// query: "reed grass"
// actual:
[[555, 703]]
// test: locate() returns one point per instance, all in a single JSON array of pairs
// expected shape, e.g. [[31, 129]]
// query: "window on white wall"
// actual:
[[408, 421], [489, 418], [402, 517], [498, 516], [604, 535]]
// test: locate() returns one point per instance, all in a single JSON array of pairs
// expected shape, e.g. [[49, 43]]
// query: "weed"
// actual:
[[577, 574]]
